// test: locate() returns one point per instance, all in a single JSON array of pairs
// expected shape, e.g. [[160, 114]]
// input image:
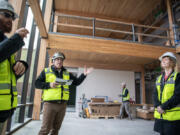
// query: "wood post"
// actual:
[[41, 61], [170, 17], [140, 38], [143, 85], [178, 63], [55, 23]]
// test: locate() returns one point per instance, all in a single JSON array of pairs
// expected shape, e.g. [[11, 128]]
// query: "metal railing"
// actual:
[[133, 32]]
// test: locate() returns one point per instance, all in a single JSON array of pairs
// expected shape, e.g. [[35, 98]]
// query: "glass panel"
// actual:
[[15, 117]]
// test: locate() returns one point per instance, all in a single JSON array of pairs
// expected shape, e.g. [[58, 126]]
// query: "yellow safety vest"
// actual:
[[7, 85], [127, 97], [168, 91], [59, 93]]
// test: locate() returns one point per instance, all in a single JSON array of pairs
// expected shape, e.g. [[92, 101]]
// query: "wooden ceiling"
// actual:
[[133, 11], [129, 10]]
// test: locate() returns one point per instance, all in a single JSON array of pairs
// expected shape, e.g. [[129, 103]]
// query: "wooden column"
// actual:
[[140, 38], [55, 23], [19, 6], [170, 17], [41, 61], [178, 62], [143, 86]]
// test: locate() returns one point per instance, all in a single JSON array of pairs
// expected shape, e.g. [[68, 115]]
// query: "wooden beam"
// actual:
[[47, 15], [55, 23], [106, 46], [112, 66], [41, 61], [143, 85], [19, 7], [170, 17], [34, 4]]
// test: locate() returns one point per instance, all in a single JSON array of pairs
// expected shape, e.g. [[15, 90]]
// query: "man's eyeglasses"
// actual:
[[8, 15]]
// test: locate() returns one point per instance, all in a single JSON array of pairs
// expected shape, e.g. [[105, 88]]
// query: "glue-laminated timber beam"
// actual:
[[106, 46], [170, 18], [34, 4], [112, 66], [41, 61]]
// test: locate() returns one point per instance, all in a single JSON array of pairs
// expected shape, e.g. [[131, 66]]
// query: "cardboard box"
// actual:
[[145, 114]]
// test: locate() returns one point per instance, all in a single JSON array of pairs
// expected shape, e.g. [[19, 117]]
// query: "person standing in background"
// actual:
[[125, 101]]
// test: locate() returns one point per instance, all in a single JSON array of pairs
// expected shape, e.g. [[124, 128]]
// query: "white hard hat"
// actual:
[[5, 5], [58, 55], [168, 54], [123, 83]]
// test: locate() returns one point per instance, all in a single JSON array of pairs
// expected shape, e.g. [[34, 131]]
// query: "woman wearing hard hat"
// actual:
[[167, 97]]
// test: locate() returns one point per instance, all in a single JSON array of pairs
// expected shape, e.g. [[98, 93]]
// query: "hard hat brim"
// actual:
[[161, 57], [15, 15]]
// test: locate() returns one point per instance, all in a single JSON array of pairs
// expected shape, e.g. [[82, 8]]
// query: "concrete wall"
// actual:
[[105, 83]]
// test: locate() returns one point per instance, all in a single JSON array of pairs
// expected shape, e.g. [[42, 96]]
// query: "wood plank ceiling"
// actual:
[[133, 11]]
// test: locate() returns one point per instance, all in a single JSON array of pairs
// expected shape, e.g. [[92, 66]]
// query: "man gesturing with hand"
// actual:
[[10, 70]]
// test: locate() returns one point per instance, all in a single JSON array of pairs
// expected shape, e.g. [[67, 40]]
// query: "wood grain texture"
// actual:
[[106, 46], [34, 4]]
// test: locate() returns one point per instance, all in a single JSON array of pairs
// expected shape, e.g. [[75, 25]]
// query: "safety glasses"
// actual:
[[8, 15]]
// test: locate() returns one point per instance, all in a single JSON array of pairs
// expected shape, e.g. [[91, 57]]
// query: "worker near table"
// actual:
[[10, 70], [125, 102], [55, 82], [167, 97]]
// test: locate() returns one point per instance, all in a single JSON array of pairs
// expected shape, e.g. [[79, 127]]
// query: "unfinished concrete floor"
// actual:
[[73, 125]]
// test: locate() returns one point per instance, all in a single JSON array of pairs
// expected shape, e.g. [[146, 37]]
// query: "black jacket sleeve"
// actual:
[[126, 93], [77, 81], [40, 81], [155, 98], [26, 67], [175, 99], [9, 46]]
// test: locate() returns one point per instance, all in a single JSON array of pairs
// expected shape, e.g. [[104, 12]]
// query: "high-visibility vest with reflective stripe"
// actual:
[[168, 91], [7, 85], [127, 97], [58, 93]]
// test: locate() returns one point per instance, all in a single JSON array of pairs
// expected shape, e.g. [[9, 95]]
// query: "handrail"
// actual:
[[111, 30], [27, 104], [132, 27], [110, 21]]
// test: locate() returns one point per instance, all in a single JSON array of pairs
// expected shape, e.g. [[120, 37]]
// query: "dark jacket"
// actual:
[[9, 46], [172, 102], [42, 84]]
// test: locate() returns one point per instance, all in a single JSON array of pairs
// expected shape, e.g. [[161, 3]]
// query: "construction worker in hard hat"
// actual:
[[55, 81], [167, 97], [10, 70], [125, 101]]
